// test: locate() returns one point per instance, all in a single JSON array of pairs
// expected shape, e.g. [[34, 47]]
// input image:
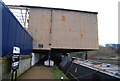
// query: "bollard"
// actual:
[[61, 78]]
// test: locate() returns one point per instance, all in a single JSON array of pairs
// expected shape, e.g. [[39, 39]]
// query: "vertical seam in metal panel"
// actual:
[[51, 22]]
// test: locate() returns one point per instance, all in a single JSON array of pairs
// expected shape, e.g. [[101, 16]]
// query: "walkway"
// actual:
[[38, 72]]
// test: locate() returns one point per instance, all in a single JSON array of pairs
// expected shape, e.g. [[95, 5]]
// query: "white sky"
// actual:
[[107, 13]]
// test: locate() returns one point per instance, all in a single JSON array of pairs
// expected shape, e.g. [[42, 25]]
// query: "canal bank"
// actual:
[[40, 72]]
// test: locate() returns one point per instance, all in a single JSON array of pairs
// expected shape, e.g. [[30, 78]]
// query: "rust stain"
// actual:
[[41, 38], [63, 18], [70, 29], [81, 35]]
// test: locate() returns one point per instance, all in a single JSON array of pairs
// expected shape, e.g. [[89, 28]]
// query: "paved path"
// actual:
[[38, 72]]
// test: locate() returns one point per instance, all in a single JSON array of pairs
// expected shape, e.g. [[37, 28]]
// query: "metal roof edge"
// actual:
[[54, 8]]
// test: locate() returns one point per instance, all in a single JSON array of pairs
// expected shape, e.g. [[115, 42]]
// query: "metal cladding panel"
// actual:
[[73, 30], [13, 34], [63, 29], [25, 43], [5, 27], [22, 42], [30, 46], [39, 26], [18, 35], [21, 39], [0, 30]]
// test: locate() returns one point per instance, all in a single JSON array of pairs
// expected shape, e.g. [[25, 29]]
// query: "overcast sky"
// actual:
[[107, 13]]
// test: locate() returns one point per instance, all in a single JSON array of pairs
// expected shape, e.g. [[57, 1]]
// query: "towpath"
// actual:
[[38, 72]]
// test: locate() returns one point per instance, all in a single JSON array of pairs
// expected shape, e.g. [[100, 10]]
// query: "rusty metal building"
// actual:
[[62, 30], [53, 28]]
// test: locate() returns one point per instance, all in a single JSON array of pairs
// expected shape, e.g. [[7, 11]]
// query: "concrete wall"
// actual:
[[0, 69], [6, 67], [25, 64], [35, 58], [5, 64]]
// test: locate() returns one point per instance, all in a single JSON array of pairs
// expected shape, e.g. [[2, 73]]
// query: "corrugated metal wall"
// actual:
[[0, 30], [13, 34]]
